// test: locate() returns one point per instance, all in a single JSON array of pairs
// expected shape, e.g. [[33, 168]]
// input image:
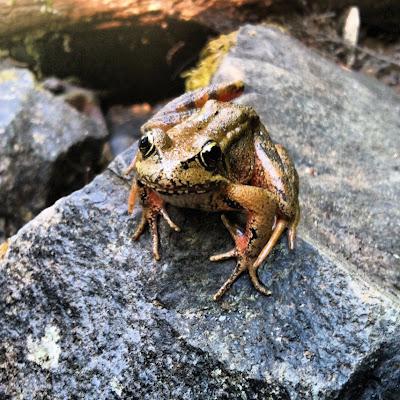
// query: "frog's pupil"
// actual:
[[144, 143], [210, 156], [145, 146]]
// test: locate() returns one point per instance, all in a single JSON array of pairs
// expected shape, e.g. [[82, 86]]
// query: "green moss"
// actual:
[[210, 59]]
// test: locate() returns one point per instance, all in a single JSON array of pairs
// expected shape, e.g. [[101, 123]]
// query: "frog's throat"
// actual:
[[188, 189]]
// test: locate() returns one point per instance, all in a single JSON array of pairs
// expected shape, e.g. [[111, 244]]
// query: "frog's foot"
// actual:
[[234, 230], [244, 261], [280, 226], [150, 217], [153, 205]]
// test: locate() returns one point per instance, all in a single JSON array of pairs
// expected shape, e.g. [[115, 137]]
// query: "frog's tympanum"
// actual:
[[203, 151]]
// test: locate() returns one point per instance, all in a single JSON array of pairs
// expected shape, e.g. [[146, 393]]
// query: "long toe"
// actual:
[[256, 282], [167, 218], [224, 256], [140, 228], [239, 269]]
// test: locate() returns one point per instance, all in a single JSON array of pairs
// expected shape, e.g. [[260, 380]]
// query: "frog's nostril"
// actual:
[[166, 143]]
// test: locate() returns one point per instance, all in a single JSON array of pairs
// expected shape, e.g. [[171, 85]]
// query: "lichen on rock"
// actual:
[[45, 351]]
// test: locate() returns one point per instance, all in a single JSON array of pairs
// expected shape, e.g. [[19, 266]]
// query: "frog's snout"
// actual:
[[171, 170]]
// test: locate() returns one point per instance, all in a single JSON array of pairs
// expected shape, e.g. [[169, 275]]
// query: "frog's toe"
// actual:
[[239, 269], [256, 282], [291, 238], [154, 235], [149, 217], [224, 256], [140, 228], [167, 218]]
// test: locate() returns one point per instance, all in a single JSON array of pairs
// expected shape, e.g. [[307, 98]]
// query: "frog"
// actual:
[[205, 151]]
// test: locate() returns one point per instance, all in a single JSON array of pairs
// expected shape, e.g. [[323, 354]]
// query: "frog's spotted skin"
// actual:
[[201, 151], [177, 110]]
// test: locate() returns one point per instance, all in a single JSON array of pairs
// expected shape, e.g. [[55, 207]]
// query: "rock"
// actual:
[[342, 129], [84, 310], [47, 149], [124, 124], [83, 100]]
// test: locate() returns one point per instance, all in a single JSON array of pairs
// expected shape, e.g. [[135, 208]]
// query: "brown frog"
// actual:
[[203, 151]]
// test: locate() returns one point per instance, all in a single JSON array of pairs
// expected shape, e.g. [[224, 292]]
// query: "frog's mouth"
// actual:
[[180, 190]]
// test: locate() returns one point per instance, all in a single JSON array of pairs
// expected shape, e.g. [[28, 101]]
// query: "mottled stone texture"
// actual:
[[47, 149], [87, 313]]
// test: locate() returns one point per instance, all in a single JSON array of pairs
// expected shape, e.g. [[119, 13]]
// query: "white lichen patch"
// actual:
[[46, 351], [116, 386], [38, 137]]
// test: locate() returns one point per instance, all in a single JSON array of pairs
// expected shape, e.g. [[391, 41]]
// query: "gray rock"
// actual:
[[87, 313], [342, 129], [46, 148], [124, 124]]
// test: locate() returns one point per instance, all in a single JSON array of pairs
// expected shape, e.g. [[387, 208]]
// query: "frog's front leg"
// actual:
[[261, 209], [152, 206]]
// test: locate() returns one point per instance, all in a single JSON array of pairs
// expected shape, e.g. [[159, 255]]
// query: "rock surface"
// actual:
[[124, 124], [87, 313], [46, 148]]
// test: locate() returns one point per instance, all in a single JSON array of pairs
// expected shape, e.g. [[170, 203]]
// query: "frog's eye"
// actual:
[[146, 145], [210, 155]]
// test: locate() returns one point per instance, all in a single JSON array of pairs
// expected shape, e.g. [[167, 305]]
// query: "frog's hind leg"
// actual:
[[293, 179], [292, 230], [235, 232], [261, 210], [280, 226]]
